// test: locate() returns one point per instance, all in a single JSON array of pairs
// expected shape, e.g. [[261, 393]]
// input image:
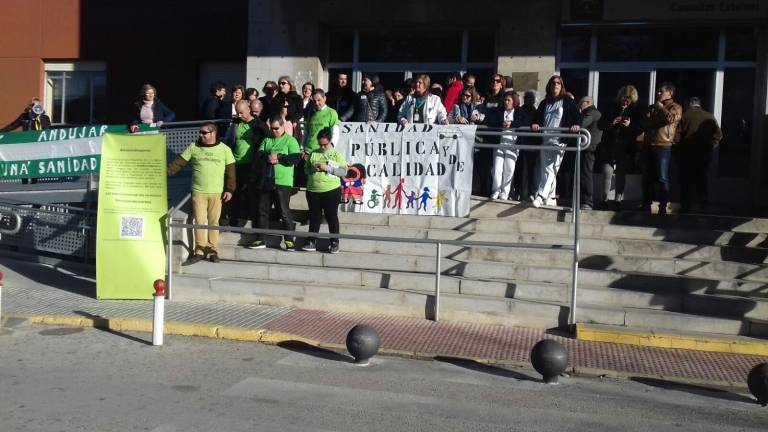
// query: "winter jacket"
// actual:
[[453, 95], [698, 130], [160, 112], [340, 99], [368, 106], [619, 139], [434, 111], [295, 105], [26, 122], [571, 115], [590, 119], [661, 123]]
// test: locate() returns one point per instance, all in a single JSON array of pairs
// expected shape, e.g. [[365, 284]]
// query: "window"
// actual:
[[75, 93], [741, 45], [576, 81], [738, 112], [410, 46], [481, 46], [341, 47], [574, 46], [658, 45]]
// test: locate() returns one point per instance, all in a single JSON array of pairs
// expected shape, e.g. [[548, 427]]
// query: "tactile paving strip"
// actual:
[[514, 344], [62, 303]]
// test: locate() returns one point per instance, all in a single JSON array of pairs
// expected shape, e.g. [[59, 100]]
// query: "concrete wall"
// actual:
[[33, 30], [290, 38]]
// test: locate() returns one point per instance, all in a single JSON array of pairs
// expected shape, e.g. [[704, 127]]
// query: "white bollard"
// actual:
[[159, 313]]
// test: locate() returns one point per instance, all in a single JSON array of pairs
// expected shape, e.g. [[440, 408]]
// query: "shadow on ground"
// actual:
[[693, 389], [311, 350], [101, 323], [484, 368]]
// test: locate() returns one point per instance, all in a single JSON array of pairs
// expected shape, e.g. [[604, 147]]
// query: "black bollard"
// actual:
[[550, 359], [363, 343], [757, 381]]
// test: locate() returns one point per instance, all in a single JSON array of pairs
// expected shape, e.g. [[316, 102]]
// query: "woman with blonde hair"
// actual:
[[150, 110], [422, 106], [621, 128]]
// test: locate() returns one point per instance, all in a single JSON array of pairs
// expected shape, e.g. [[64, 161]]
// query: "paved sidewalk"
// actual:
[[55, 296]]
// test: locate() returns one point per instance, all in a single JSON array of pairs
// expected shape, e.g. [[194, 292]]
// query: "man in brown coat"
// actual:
[[697, 136], [661, 124]]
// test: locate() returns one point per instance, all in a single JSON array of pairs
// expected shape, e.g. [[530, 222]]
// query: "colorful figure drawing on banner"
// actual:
[[388, 196], [411, 199], [424, 198], [440, 200], [352, 184], [398, 194], [374, 200]]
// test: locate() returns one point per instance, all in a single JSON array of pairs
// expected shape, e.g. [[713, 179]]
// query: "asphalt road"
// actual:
[[74, 379]]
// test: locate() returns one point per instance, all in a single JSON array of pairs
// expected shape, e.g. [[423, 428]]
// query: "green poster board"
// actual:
[[130, 251]]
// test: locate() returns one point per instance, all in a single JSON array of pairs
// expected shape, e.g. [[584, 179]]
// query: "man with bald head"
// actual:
[[250, 131], [257, 107]]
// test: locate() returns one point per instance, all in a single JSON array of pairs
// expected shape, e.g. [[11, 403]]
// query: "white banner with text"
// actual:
[[416, 169]]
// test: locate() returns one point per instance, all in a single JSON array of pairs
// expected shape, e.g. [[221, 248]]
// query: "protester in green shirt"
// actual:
[[273, 179], [324, 166], [324, 117], [211, 161]]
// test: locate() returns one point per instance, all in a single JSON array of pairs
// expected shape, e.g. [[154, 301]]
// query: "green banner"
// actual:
[[130, 248], [56, 152]]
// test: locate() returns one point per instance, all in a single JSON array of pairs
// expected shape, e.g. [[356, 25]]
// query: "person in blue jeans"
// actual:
[[661, 124]]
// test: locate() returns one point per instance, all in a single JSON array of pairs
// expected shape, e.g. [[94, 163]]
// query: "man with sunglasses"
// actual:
[[211, 161]]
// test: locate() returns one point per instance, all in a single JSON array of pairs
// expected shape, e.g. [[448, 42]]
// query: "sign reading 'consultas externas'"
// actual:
[[53, 152]]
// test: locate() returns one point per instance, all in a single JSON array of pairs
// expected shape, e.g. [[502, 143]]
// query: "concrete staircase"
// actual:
[[686, 273]]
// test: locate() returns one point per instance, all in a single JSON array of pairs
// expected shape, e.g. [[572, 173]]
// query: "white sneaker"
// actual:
[[551, 202], [502, 197], [538, 202], [494, 196]]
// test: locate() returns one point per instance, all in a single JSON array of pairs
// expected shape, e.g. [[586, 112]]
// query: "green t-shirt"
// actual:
[[243, 152], [208, 165], [284, 145], [322, 181], [325, 118]]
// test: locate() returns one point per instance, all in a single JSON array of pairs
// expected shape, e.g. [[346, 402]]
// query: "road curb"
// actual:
[[269, 337], [650, 338]]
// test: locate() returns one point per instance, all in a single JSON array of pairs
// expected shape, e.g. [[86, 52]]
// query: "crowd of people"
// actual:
[[266, 143]]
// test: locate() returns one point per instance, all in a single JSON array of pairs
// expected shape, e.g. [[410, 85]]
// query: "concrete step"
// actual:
[[375, 301], [488, 209], [669, 321], [484, 208], [418, 227], [648, 297], [610, 247], [499, 263], [453, 307]]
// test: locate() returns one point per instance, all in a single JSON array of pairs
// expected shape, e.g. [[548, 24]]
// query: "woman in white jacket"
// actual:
[[421, 106]]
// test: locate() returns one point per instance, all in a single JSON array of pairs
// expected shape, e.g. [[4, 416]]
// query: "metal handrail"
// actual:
[[438, 244], [555, 247], [584, 138], [169, 232]]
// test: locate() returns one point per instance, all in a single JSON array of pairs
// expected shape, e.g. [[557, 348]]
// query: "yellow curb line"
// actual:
[[269, 337], [661, 340]]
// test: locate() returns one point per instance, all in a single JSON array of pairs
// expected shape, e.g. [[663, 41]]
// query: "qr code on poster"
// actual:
[[132, 227]]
